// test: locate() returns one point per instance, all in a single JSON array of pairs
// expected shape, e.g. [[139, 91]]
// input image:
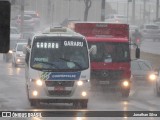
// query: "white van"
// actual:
[[51, 74]]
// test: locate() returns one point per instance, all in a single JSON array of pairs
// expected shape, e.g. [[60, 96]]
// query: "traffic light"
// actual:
[[5, 8]]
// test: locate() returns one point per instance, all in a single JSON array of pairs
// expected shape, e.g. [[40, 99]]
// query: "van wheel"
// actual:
[[76, 105], [84, 104]]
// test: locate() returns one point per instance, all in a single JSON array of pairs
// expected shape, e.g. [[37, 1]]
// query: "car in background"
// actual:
[[14, 37], [132, 29], [157, 82], [28, 23], [142, 70], [68, 22], [27, 35], [14, 33], [35, 16], [116, 18], [150, 31], [18, 57]]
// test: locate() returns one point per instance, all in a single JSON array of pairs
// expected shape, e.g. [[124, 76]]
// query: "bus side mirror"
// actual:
[[137, 53], [93, 50]]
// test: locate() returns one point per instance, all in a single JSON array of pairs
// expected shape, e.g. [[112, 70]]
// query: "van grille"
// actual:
[[59, 93], [59, 83]]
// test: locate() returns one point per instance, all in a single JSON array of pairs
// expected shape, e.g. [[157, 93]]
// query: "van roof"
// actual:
[[63, 31]]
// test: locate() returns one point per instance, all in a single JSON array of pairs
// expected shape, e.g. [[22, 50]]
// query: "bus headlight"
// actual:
[[34, 93], [39, 82], [152, 77], [125, 83], [80, 83]]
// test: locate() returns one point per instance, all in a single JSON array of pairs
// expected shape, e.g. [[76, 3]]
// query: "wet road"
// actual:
[[13, 97]]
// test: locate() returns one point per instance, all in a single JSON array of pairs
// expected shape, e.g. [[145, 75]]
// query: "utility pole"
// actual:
[[157, 9], [103, 10], [128, 10], [49, 11], [144, 10], [133, 11], [22, 16]]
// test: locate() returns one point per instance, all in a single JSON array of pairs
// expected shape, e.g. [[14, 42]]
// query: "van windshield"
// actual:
[[55, 53]]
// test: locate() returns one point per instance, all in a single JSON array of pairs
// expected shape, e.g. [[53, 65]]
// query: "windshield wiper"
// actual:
[[67, 60], [48, 63]]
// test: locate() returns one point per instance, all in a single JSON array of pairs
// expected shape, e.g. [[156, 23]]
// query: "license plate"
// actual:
[[59, 88], [103, 82]]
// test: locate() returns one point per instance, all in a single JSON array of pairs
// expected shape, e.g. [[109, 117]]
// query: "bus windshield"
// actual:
[[110, 52], [59, 53]]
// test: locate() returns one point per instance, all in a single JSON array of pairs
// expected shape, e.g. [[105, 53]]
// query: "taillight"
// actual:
[[19, 21], [37, 14], [137, 40]]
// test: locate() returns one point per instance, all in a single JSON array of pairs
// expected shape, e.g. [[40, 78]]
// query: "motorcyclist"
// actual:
[[137, 37]]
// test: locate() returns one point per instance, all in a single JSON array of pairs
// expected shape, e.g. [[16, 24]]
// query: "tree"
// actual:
[[88, 4], [103, 10], [157, 9]]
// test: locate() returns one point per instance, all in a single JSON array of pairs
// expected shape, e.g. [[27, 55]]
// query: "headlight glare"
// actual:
[[84, 93], [10, 51], [80, 83], [18, 60], [34, 93], [152, 77], [39, 82], [125, 83]]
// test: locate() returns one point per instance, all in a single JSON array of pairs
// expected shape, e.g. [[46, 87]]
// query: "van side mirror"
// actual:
[[93, 50]]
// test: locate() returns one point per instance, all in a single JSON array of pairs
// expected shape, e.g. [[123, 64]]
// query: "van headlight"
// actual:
[[35, 93], [84, 93], [39, 82], [79, 83]]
